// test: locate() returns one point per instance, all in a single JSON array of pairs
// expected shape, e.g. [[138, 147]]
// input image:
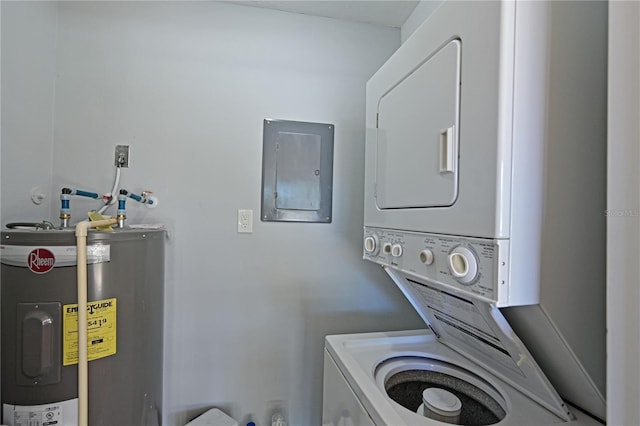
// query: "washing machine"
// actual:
[[484, 199], [468, 367], [374, 379]]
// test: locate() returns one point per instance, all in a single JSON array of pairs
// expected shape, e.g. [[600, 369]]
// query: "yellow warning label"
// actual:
[[101, 331]]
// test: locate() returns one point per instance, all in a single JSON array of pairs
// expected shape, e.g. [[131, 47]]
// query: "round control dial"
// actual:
[[426, 257], [371, 245], [386, 248], [463, 265], [396, 250]]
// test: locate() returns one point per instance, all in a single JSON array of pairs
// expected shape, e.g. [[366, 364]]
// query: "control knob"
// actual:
[[396, 250], [463, 264], [371, 245], [386, 248], [426, 257]]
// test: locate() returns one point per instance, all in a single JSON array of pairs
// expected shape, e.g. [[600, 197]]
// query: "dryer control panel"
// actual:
[[477, 267]]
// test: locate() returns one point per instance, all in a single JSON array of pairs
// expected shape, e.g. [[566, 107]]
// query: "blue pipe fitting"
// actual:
[[122, 200], [65, 203], [121, 214], [143, 199], [136, 197], [65, 207], [85, 193]]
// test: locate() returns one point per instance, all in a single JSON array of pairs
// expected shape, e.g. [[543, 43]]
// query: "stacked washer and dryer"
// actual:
[[484, 203]]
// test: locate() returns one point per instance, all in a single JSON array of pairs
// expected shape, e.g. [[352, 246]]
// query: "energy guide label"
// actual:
[[101, 331]]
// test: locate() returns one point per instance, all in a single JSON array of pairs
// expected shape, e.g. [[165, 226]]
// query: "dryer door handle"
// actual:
[[448, 150]]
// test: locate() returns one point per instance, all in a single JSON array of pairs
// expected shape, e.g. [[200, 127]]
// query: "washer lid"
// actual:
[[477, 330]]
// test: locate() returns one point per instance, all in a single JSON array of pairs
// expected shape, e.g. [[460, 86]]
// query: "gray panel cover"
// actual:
[[297, 171]]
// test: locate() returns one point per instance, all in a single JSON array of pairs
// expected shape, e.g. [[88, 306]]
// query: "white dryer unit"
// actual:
[[488, 126], [485, 180]]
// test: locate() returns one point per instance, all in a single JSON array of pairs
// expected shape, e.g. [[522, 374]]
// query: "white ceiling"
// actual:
[[390, 13]]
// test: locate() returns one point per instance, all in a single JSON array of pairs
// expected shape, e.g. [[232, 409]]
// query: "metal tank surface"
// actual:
[[125, 280]]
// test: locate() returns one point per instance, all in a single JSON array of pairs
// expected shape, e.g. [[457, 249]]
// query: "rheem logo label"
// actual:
[[41, 261]]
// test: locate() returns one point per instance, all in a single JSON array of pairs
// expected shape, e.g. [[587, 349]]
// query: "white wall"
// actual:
[[187, 85], [623, 211], [28, 77], [421, 13], [26, 105]]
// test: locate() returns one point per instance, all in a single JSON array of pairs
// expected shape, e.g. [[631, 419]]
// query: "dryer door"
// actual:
[[417, 135]]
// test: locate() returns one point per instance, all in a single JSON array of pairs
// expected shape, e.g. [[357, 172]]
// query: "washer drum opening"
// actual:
[[404, 379]]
